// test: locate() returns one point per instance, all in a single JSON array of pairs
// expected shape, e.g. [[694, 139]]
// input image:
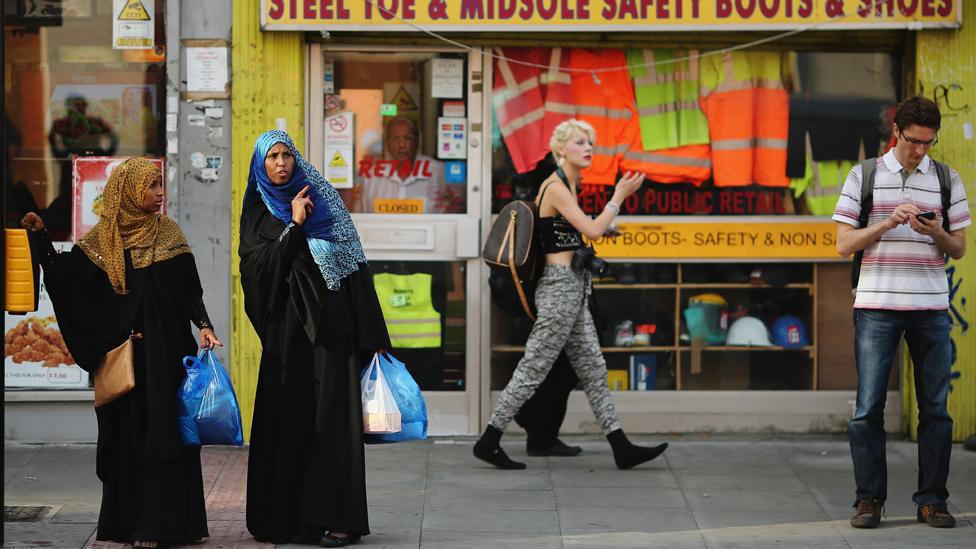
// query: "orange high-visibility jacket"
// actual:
[[606, 101], [748, 109], [518, 105], [557, 90]]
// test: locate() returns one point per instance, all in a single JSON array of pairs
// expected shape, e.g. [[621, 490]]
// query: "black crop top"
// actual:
[[555, 232]]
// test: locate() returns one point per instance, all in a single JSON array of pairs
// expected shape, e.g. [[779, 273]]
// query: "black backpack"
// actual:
[[868, 169]]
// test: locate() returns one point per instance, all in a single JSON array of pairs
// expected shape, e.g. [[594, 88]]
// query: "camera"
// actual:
[[585, 258]]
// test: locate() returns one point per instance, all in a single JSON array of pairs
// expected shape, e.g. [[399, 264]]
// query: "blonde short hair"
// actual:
[[565, 130]]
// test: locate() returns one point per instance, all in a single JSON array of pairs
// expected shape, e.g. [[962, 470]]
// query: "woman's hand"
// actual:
[[301, 206], [628, 185], [208, 339], [32, 222]]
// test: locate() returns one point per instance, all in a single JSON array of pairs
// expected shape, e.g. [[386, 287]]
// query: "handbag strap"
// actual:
[[515, 276]]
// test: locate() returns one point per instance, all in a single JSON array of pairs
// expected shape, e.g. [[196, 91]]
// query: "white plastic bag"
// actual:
[[380, 411]]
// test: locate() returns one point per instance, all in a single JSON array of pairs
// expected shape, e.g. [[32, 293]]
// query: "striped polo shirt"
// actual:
[[904, 270]]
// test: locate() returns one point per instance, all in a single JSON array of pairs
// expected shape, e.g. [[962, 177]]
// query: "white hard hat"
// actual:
[[749, 331]]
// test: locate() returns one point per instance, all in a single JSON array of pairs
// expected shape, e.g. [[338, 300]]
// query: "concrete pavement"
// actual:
[[707, 492]]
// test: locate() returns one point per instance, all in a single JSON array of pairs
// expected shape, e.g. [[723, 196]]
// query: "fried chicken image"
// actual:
[[34, 340]]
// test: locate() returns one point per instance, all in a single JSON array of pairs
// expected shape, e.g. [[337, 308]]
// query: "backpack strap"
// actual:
[[945, 188], [868, 170]]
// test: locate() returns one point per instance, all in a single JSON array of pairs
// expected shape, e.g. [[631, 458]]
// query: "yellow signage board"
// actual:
[[802, 240], [605, 15]]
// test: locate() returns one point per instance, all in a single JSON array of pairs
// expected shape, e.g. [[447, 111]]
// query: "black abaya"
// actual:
[[152, 485], [306, 467]]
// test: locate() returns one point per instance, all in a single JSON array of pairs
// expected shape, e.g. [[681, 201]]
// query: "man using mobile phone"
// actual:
[[903, 291]]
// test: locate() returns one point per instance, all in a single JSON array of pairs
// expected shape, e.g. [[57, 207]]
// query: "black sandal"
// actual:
[[330, 540]]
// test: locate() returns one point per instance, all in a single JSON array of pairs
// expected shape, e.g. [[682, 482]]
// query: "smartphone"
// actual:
[[927, 215]]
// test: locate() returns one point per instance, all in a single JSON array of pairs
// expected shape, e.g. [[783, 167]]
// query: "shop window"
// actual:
[[424, 304], [699, 324], [70, 97], [812, 131], [396, 131]]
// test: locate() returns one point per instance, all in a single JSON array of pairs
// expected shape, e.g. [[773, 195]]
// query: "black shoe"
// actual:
[[867, 513], [558, 448], [936, 515], [628, 455], [488, 449], [970, 444], [330, 540]]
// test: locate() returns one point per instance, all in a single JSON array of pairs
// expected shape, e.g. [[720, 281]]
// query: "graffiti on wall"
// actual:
[[957, 310]]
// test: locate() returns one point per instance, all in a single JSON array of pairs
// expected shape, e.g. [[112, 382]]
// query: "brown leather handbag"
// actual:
[[116, 373], [512, 244]]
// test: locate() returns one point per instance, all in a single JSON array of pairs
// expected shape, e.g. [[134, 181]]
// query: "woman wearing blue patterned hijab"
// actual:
[[309, 294], [332, 238]]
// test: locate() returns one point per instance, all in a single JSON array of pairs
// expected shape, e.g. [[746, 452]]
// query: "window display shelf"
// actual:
[[663, 304], [747, 348], [645, 349], [742, 285], [618, 286]]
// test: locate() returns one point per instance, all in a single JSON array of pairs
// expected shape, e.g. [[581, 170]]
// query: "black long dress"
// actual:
[[152, 485], [306, 467]]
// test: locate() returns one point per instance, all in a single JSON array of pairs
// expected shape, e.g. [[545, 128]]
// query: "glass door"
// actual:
[[398, 132]]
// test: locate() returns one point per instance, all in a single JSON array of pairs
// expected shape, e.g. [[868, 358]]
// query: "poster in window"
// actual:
[[35, 354], [89, 176]]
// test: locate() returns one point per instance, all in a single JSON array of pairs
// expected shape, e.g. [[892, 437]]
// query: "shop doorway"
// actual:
[[399, 132]]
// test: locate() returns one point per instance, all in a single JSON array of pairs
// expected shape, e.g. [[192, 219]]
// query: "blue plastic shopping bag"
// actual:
[[208, 412], [409, 399]]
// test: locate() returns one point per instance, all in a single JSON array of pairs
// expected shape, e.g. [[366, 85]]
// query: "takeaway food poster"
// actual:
[[34, 351]]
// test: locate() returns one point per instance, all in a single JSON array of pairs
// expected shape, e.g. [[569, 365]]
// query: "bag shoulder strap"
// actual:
[[869, 168], [515, 277], [945, 189]]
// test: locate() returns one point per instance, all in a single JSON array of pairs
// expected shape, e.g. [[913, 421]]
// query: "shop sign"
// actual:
[[658, 199], [89, 176], [35, 354], [727, 239], [605, 15]]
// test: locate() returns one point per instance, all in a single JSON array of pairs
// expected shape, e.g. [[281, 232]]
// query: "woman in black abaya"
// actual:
[[309, 294], [133, 272]]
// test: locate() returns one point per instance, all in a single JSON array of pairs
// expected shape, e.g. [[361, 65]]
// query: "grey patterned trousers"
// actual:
[[563, 322]]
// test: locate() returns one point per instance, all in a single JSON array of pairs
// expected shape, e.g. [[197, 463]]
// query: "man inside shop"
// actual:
[[406, 181]]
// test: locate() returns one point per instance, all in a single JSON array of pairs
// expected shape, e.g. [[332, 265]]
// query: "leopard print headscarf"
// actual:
[[124, 225]]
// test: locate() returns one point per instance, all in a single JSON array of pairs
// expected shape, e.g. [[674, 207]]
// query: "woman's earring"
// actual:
[[560, 161]]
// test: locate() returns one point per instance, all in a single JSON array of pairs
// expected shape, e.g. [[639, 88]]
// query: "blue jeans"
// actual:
[[876, 339]]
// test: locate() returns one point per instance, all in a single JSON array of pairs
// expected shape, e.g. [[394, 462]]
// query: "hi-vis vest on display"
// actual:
[[748, 111], [822, 182], [410, 316], [519, 107], [821, 185], [674, 141], [557, 91], [606, 101]]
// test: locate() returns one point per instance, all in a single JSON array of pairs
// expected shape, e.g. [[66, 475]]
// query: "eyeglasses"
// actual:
[[913, 141]]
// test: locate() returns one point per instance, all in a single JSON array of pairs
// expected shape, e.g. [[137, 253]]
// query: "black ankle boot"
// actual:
[[627, 454], [488, 449]]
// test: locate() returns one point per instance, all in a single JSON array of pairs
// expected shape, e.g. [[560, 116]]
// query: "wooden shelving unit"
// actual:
[[682, 350]]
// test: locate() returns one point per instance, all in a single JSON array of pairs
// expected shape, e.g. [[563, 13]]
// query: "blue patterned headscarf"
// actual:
[[332, 237]]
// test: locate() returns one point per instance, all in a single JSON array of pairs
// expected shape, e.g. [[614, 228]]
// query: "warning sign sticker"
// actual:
[[133, 27], [403, 101], [338, 170], [338, 161], [133, 10]]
